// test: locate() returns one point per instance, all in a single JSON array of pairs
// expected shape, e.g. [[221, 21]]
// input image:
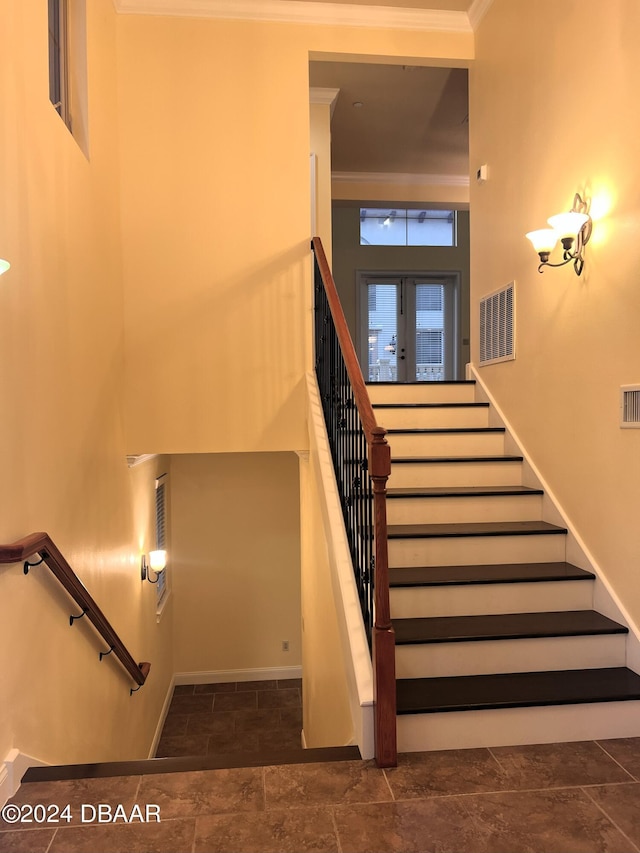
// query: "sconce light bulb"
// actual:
[[544, 240], [4, 266], [158, 560], [568, 224]]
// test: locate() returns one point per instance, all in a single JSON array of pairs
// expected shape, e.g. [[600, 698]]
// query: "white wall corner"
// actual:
[[12, 769]]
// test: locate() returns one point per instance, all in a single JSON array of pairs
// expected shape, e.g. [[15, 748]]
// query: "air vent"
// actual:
[[630, 406], [497, 326]]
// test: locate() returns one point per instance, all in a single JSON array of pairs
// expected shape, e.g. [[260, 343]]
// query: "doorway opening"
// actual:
[[408, 326]]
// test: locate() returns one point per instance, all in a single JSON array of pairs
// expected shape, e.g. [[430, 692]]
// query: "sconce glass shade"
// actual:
[[544, 239], [157, 560], [4, 266], [568, 224]]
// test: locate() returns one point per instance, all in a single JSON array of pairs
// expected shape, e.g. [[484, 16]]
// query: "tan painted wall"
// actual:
[[236, 560], [327, 718], [215, 149], [62, 450], [553, 111], [320, 141]]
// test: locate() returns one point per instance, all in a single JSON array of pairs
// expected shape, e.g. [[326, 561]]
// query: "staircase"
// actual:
[[497, 641]]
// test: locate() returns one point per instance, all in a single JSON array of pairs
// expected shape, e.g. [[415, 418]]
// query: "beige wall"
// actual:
[[62, 449], [327, 717], [215, 146], [553, 111], [235, 527], [320, 141]]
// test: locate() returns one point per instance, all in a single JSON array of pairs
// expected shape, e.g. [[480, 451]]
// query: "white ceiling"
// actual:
[[413, 120]]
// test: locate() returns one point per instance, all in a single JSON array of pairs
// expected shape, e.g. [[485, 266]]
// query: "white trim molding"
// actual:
[[133, 460], [12, 769], [219, 676], [320, 95], [478, 10], [400, 178], [315, 13]]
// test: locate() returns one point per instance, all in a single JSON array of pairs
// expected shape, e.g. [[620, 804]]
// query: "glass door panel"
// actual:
[[384, 300], [407, 328]]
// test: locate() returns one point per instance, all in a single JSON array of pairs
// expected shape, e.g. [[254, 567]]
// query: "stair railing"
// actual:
[[362, 464], [42, 545]]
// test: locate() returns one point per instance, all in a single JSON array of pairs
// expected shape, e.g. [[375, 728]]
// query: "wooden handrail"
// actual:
[[356, 378], [42, 544], [383, 635]]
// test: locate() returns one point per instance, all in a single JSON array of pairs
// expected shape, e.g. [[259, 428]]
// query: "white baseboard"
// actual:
[[277, 673], [162, 719], [12, 769], [606, 599]]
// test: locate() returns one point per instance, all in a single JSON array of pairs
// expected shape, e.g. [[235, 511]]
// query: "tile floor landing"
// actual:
[[233, 717], [556, 798]]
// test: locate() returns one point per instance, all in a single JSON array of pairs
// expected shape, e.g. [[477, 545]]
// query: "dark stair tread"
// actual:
[[483, 528], [504, 626], [429, 460], [430, 405], [422, 384], [265, 758], [445, 430], [490, 574], [463, 492], [516, 690]]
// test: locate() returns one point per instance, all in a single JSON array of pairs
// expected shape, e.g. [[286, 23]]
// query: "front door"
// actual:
[[407, 327]]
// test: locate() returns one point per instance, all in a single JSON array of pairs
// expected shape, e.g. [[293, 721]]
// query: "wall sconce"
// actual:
[[157, 563], [4, 266], [573, 229]]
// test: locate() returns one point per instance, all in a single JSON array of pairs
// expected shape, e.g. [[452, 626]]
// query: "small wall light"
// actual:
[[157, 564], [4, 266], [573, 229]]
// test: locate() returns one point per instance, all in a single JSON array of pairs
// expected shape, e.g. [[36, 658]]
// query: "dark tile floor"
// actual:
[[249, 716], [557, 798]]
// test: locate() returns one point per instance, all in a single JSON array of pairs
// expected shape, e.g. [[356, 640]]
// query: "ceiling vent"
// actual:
[[497, 326], [630, 406]]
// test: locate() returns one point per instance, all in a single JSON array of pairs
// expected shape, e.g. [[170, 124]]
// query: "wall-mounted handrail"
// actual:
[[362, 464], [43, 545]]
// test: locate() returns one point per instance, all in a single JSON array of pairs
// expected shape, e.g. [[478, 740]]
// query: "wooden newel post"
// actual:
[[384, 662]]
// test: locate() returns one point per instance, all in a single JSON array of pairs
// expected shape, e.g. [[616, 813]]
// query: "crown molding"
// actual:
[[295, 12], [477, 11], [400, 178], [328, 97], [133, 460]]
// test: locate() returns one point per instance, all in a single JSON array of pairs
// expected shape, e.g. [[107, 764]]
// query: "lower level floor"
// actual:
[[552, 798]]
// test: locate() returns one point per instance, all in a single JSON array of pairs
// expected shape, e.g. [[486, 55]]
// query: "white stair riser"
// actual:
[[517, 726], [487, 599], [413, 475], [476, 550], [445, 418], [457, 510], [439, 660], [424, 392], [446, 444]]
